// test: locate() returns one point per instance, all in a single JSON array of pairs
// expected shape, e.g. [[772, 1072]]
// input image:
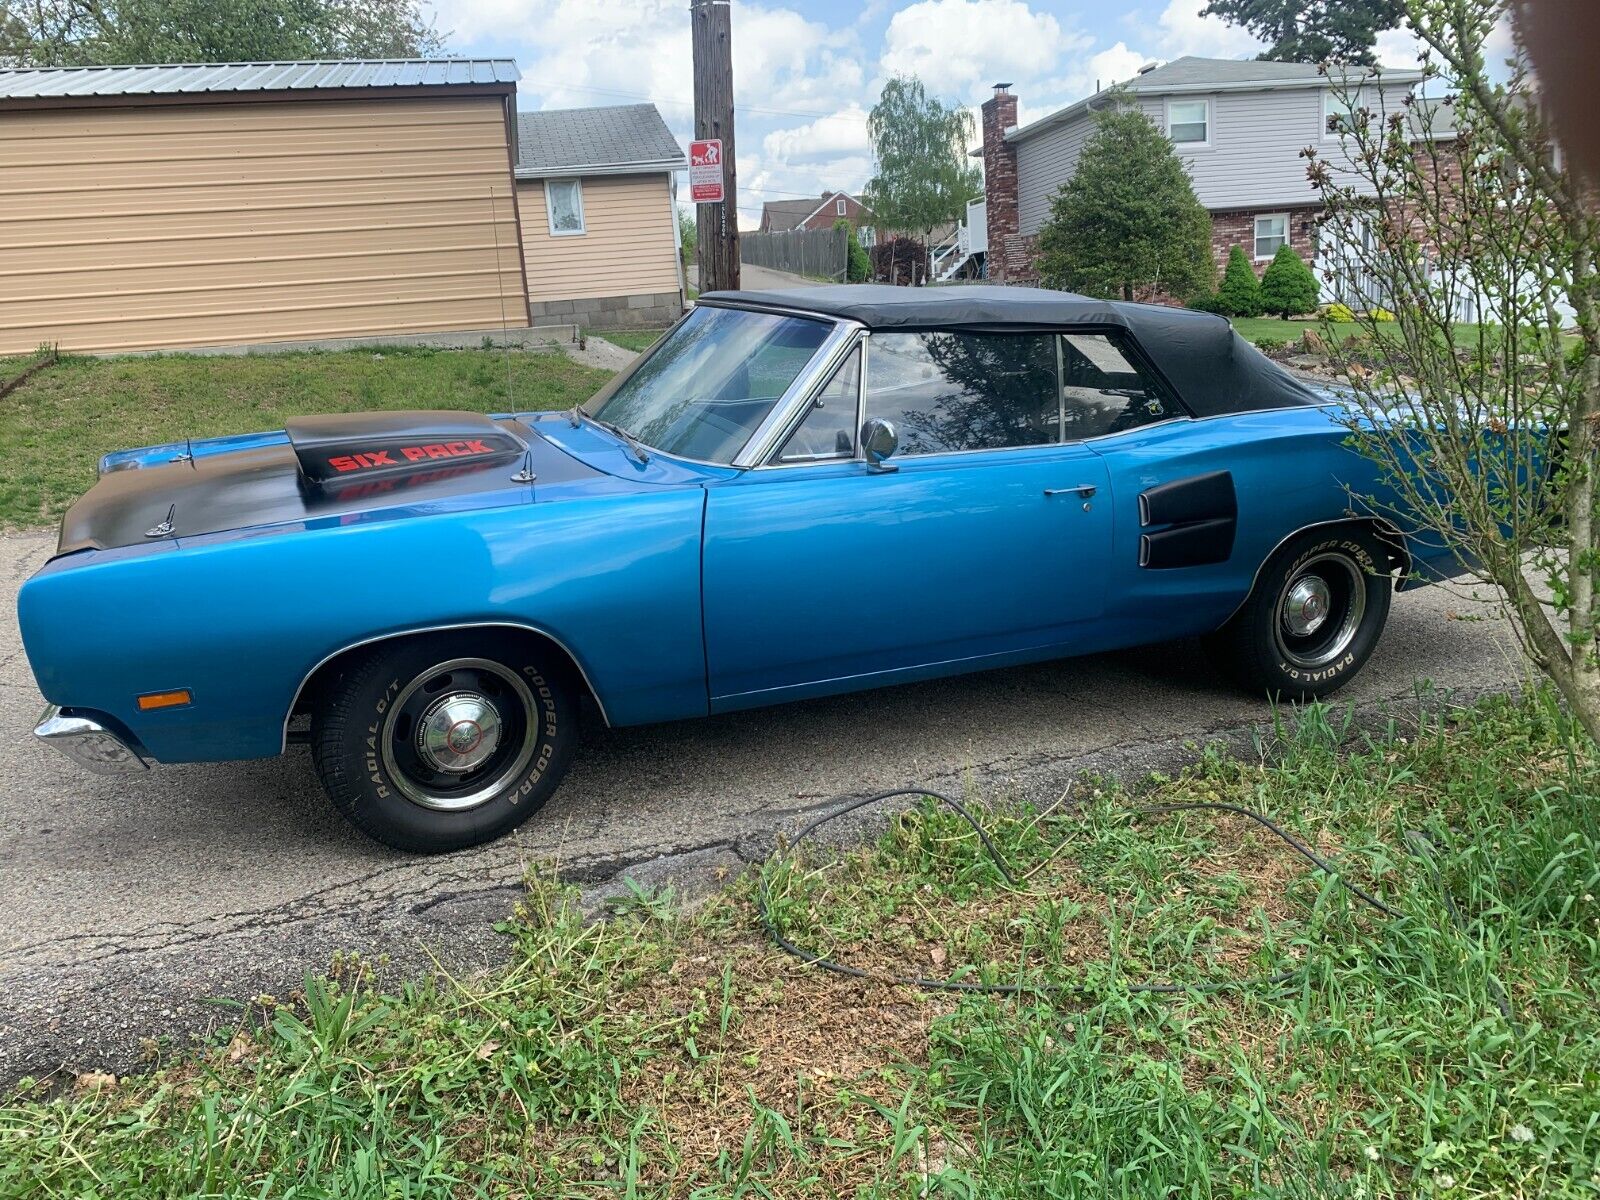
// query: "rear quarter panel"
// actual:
[[241, 620], [1290, 469]]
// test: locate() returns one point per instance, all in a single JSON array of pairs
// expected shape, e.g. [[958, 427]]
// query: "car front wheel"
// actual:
[[1313, 618], [438, 743]]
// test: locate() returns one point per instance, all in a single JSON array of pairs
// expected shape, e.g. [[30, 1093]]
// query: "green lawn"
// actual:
[[1256, 328], [637, 340], [1450, 1050], [55, 427]]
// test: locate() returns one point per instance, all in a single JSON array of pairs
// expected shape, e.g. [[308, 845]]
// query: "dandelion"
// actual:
[[1521, 1133], [1372, 1154]]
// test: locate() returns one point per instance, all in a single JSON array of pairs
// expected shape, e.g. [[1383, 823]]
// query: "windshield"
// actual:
[[711, 382]]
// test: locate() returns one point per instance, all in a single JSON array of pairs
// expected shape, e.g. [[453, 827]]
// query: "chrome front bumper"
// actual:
[[88, 743]]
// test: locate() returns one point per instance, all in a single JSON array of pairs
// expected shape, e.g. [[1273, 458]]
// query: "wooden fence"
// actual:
[[822, 253]]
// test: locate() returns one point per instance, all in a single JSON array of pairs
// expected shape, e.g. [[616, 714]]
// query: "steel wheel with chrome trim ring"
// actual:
[[444, 741], [1314, 616]]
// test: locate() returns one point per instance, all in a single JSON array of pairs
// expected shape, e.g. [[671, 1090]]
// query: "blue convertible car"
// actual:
[[792, 494]]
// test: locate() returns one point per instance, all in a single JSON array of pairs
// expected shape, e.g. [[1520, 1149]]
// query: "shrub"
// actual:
[[1240, 293], [1271, 345], [900, 260], [1288, 288], [1380, 315], [1339, 312], [1207, 302], [857, 265]]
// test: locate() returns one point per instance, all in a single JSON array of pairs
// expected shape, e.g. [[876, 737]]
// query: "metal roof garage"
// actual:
[[217, 203]]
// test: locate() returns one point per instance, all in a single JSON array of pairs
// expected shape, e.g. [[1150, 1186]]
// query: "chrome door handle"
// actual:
[[1083, 489]]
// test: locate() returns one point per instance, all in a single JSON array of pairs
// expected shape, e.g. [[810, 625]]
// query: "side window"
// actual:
[[828, 430], [964, 391], [1104, 391]]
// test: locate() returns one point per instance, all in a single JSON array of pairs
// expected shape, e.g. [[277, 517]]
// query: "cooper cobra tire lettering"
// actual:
[[354, 761], [1248, 646]]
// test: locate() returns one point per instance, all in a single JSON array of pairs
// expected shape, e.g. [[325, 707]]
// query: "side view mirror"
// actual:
[[878, 442]]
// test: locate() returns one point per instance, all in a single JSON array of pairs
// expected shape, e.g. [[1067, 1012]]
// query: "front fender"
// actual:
[[242, 620]]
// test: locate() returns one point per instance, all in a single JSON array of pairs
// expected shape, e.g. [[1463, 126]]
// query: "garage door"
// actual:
[[171, 226]]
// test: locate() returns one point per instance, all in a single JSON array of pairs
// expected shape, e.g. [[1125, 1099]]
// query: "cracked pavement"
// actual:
[[145, 907]]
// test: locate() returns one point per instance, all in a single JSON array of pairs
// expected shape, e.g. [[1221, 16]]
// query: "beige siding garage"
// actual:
[[628, 245], [136, 226]]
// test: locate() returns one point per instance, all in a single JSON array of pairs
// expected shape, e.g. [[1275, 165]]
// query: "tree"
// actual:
[[1288, 288], [688, 234], [1128, 218], [1240, 293], [857, 265], [1314, 31], [1457, 204], [923, 177], [85, 33]]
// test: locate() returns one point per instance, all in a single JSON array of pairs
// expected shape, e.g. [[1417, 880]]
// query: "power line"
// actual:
[[689, 104]]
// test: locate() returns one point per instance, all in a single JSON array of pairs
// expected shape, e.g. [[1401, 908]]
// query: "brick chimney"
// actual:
[[1000, 184]]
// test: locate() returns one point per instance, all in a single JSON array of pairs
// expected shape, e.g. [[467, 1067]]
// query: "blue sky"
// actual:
[[805, 76]]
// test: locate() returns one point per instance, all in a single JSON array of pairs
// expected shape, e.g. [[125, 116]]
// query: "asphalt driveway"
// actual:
[[130, 903]]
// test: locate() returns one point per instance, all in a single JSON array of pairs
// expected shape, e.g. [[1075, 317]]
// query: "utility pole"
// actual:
[[718, 224]]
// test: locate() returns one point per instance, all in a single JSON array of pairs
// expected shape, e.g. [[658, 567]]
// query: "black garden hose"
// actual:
[[764, 909]]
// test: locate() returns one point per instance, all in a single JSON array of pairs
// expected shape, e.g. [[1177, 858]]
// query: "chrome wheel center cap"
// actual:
[[1307, 605], [458, 733]]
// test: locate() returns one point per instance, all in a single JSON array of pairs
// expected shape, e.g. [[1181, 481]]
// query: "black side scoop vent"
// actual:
[[1201, 515], [347, 449]]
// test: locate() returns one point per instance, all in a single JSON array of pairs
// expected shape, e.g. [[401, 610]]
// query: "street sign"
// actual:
[[705, 171]]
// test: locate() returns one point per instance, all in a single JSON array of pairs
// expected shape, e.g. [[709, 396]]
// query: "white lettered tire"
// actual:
[[445, 741], [1314, 616]]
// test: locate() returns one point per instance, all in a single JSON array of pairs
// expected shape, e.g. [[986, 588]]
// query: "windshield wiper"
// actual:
[[634, 443]]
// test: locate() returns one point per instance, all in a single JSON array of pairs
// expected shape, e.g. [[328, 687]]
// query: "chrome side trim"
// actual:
[[1387, 528], [88, 743], [400, 633], [791, 405]]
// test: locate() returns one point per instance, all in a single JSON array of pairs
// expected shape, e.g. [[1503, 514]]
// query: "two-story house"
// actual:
[[1239, 127]]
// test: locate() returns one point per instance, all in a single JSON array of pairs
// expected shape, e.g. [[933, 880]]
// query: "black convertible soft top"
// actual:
[[1214, 369]]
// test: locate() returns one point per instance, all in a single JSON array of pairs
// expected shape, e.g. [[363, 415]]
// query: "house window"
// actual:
[[1272, 234], [838, 206], [1338, 112], [867, 236], [1189, 122], [563, 204]]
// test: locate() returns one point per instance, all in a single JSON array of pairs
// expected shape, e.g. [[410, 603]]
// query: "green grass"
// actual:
[[57, 425], [1254, 329], [660, 1054], [637, 340]]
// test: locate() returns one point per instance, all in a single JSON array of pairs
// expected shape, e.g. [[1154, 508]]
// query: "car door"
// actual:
[[985, 542]]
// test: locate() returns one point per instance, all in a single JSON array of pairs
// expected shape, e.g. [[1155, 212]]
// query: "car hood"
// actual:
[[343, 470]]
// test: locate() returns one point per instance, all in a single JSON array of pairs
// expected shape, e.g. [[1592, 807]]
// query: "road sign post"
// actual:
[[713, 130]]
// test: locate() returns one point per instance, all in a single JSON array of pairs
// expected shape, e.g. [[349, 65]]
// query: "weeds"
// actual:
[[1451, 1051]]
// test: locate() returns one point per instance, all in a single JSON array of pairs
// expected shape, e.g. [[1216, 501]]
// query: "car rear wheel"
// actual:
[[438, 743], [1313, 618]]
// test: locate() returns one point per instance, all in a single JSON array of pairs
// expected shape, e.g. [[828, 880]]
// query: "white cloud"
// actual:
[[1397, 48], [957, 46], [844, 132], [1180, 30]]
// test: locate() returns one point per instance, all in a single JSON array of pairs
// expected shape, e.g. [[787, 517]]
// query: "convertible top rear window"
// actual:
[[708, 385]]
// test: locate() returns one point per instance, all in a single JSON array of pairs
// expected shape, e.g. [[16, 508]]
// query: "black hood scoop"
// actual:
[[345, 450]]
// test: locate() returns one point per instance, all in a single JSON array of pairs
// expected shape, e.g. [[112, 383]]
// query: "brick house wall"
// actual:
[[1230, 229], [825, 216]]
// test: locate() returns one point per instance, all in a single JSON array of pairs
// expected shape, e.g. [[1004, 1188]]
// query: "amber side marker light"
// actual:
[[154, 700]]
